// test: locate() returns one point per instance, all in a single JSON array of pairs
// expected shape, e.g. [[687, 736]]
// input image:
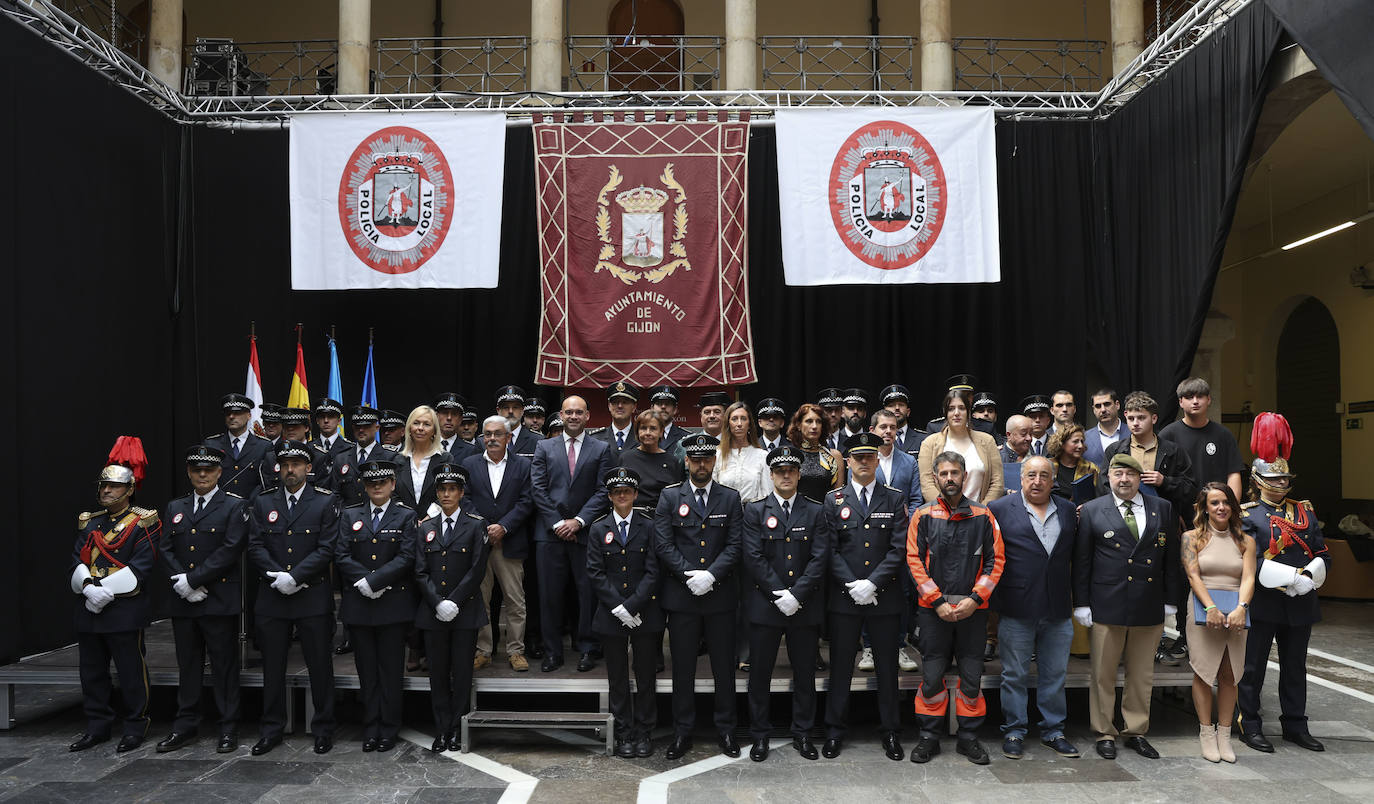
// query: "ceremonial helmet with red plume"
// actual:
[[127, 464], [1271, 440]]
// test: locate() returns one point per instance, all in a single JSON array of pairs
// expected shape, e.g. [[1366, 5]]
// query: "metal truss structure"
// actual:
[[251, 111], [1028, 65]]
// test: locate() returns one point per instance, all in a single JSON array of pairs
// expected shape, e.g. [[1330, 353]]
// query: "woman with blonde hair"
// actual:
[[423, 454], [1075, 477], [982, 462], [739, 463]]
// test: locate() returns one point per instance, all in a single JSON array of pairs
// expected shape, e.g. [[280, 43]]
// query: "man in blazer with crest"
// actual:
[[568, 496], [1126, 570]]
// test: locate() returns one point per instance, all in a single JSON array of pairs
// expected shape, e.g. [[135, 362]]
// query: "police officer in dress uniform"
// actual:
[[392, 429], [450, 408], [897, 399], [344, 477], [510, 403], [664, 399], [450, 563], [328, 418], [869, 521], [532, 418], [771, 415], [787, 556], [375, 555], [621, 399], [113, 556], [624, 573], [244, 451], [201, 545], [290, 547], [270, 416], [699, 529], [295, 426], [1293, 562]]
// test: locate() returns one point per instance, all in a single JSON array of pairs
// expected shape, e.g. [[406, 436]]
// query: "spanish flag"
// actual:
[[300, 390]]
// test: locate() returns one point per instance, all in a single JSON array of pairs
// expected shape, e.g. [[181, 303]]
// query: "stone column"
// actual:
[[1128, 32], [355, 34], [741, 44], [546, 45], [937, 51], [164, 41]]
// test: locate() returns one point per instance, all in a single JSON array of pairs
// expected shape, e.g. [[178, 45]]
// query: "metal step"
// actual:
[[603, 723]]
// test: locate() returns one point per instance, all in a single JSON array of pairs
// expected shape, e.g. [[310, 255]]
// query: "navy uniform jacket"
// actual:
[[872, 547], [458, 449], [558, 496], [1035, 584], [104, 544], [207, 547], [607, 436], [786, 553], [512, 509], [385, 557], [252, 469], [523, 443], [320, 474], [782, 442], [1126, 583], [300, 542], [337, 447], [1304, 543], [624, 575], [405, 485], [685, 541], [451, 569], [672, 436], [343, 474]]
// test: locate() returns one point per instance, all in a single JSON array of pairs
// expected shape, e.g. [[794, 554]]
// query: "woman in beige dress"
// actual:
[[1217, 556]]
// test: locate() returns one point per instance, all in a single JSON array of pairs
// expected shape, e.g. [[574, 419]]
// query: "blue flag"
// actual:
[[370, 383], [335, 379]]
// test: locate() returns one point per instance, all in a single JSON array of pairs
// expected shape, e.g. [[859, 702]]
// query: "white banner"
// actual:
[[887, 196], [396, 200]]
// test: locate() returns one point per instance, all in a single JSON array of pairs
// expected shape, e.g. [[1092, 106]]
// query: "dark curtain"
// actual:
[[1336, 35]]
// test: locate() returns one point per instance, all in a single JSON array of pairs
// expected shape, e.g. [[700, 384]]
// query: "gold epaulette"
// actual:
[[1248, 505], [323, 490], [85, 516], [147, 517], [1306, 504]]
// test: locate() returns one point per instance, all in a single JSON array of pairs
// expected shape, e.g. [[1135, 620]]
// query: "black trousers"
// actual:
[[379, 653], [940, 641], [802, 645], [534, 628], [635, 714], [317, 645], [559, 562], [1292, 641], [451, 651], [884, 632], [217, 636], [685, 631], [125, 649]]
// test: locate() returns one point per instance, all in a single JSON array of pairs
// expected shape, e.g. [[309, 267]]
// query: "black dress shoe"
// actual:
[[759, 751], [1303, 740], [343, 647], [643, 748], [585, 663], [264, 745], [455, 743], [892, 747], [323, 744], [534, 650], [87, 741], [1142, 746], [369, 745], [728, 746], [174, 741], [624, 749], [831, 748], [228, 744], [974, 750], [1106, 749], [128, 743], [678, 748], [440, 744], [1257, 741], [805, 748], [386, 744], [926, 749], [551, 664]]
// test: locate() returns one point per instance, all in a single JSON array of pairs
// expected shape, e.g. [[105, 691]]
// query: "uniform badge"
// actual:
[[1161, 540], [429, 537], [272, 517], [176, 520], [772, 522], [845, 512], [1109, 534], [358, 525], [683, 509], [610, 537], [343, 470]]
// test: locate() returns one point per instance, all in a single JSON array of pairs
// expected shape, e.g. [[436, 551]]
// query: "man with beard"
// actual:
[[831, 401], [853, 417], [1107, 409], [897, 399]]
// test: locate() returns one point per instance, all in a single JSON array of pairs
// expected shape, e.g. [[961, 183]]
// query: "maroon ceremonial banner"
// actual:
[[642, 236]]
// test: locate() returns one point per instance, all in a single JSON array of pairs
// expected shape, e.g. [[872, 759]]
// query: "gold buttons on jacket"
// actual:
[[703, 544], [193, 530], [703, 561], [374, 556], [193, 548], [865, 544], [865, 525], [289, 550], [191, 566], [865, 563], [789, 573], [441, 569], [288, 532], [374, 541], [1129, 578]]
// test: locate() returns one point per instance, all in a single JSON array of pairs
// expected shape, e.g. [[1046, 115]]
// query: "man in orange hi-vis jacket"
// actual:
[[954, 551]]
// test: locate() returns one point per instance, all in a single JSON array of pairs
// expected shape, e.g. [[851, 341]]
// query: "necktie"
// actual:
[[445, 443], [200, 505], [234, 448], [619, 440], [572, 456], [624, 532], [376, 519], [327, 444], [290, 502], [1038, 447], [362, 455], [863, 499], [787, 510], [1129, 516], [701, 501], [448, 528]]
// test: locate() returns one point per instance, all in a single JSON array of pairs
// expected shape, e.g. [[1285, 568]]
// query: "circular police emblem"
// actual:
[[272, 517], [683, 509], [429, 537], [610, 537], [772, 522], [888, 194], [343, 470], [396, 200], [845, 512], [1211, 448], [358, 525], [176, 520], [1109, 534]]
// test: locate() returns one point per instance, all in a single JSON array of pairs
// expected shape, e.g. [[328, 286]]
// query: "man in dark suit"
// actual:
[[201, 544], [290, 547], [566, 478], [498, 490], [1035, 600], [621, 400], [786, 556], [247, 457], [772, 422], [698, 536], [510, 403], [1125, 571]]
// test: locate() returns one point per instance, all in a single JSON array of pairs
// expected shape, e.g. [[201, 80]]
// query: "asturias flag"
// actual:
[[300, 390]]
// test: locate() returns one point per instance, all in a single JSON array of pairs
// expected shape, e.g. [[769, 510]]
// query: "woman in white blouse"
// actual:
[[983, 462], [741, 465], [423, 454]]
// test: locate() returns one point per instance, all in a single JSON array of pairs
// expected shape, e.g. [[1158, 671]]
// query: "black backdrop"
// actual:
[[140, 251]]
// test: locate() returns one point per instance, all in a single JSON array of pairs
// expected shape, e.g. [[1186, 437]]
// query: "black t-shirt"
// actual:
[[1212, 449]]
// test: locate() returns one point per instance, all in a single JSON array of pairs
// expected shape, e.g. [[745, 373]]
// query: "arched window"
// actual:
[[646, 37]]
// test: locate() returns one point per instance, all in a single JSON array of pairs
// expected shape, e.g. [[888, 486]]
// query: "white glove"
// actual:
[[366, 590], [638, 621], [625, 617], [284, 583], [699, 582], [446, 611], [863, 591], [97, 597], [1083, 615], [1169, 611], [180, 586], [786, 602], [1301, 586], [198, 594]]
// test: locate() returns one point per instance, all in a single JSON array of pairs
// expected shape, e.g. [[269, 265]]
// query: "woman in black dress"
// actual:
[[822, 469], [656, 467]]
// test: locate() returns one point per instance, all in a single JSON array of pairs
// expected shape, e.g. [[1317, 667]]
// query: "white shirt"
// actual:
[[1037, 446], [1108, 439], [781, 501], [496, 470], [692, 487], [327, 442], [417, 475], [618, 520], [745, 471], [446, 442], [206, 499], [242, 437], [769, 446], [365, 451], [372, 508], [1137, 508], [858, 490], [885, 464]]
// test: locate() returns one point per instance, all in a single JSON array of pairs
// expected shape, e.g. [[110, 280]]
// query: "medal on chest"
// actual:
[[176, 520], [272, 517], [772, 522], [358, 525], [682, 510], [845, 513]]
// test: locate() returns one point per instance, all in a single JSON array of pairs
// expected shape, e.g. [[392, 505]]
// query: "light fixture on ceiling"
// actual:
[[1338, 227]]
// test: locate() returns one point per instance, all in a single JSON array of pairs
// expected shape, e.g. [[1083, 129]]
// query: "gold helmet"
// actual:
[[1271, 440]]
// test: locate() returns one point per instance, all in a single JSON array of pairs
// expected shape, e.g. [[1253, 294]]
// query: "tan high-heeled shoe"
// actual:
[[1224, 743], [1207, 736]]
